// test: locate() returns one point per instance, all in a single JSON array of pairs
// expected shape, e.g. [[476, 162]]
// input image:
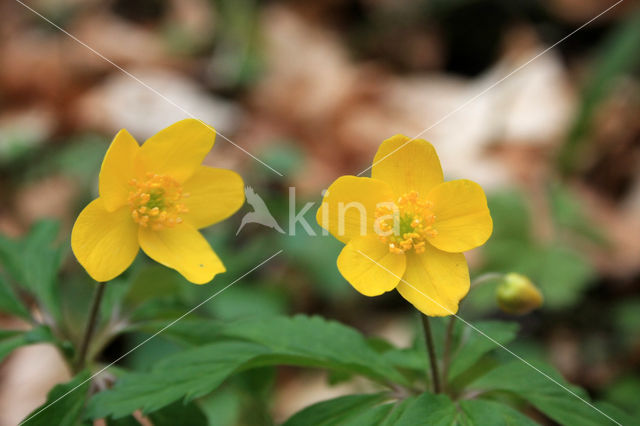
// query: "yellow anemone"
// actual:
[[156, 196], [405, 228]]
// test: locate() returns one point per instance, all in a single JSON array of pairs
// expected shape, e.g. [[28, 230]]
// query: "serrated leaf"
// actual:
[[481, 411], [64, 405], [335, 411], [189, 374], [331, 343], [426, 409], [357, 410], [551, 398], [299, 341], [9, 302]]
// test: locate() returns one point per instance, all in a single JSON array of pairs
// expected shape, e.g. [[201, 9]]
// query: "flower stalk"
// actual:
[[433, 361], [81, 359], [446, 358]]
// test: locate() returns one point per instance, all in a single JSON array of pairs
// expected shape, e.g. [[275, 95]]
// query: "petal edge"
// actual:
[[105, 243], [435, 281], [184, 249], [369, 267]]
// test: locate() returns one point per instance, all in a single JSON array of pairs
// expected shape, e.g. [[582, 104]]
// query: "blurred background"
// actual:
[[312, 89]]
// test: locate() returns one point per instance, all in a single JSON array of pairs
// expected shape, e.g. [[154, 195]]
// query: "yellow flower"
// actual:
[[156, 196], [405, 228]]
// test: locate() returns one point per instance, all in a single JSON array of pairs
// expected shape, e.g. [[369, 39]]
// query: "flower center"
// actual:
[[406, 223], [156, 201]]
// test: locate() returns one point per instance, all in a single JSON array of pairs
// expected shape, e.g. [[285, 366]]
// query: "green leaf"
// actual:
[[188, 414], [335, 411], [426, 409], [327, 344], [190, 331], [64, 405], [10, 340], [616, 413], [34, 262], [561, 273], [152, 283], [511, 215], [249, 302], [189, 374], [9, 302], [568, 213], [334, 345], [468, 346], [355, 410], [300, 341], [481, 411], [124, 421], [624, 393], [472, 345], [551, 398], [13, 339]]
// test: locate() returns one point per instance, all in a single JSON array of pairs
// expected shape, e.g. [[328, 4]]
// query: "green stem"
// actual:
[[446, 358], [81, 360], [428, 338]]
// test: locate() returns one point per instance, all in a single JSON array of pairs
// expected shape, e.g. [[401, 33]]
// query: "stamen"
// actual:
[[156, 202], [408, 223]]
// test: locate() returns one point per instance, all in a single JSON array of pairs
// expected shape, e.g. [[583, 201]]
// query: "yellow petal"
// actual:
[[407, 165], [369, 266], [117, 170], [435, 281], [214, 195], [348, 208], [178, 150], [105, 243], [462, 219], [184, 249]]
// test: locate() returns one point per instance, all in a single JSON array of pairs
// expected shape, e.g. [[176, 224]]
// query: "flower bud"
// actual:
[[517, 295]]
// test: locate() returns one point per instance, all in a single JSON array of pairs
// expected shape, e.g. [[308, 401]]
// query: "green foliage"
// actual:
[[189, 414], [34, 261], [426, 409], [194, 373], [335, 411], [624, 393], [79, 159], [481, 411], [189, 374], [553, 399], [65, 403], [560, 272], [471, 345], [627, 321], [9, 302], [302, 341], [13, 339]]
